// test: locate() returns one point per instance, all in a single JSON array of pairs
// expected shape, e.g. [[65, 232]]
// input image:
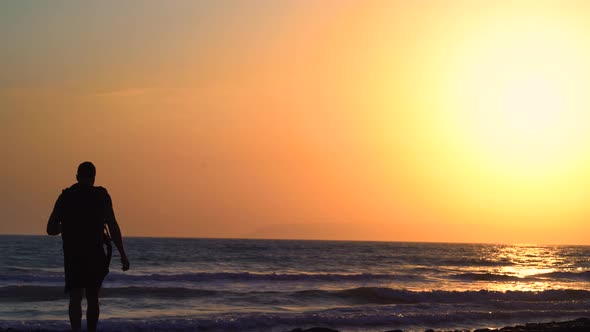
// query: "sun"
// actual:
[[518, 96], [525, 119]]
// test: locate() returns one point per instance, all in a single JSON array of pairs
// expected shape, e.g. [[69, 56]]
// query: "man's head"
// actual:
[[86, 173]]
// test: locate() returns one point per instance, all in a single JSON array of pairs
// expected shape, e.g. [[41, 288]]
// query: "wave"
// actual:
[[382, 295], [223, 276], [469, 262], [584, 275], [471, 276], [200, 279], [247, 276], [54, 293], [360, 295], [337, 319]]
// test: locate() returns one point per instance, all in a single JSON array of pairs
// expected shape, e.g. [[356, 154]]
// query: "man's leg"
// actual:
[[75, 309], [93, 311]]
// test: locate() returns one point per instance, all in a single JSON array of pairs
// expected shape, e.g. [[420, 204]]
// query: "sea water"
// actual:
[[278, 285]]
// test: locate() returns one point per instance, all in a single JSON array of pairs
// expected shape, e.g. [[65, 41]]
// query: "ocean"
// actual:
[[278, 285]]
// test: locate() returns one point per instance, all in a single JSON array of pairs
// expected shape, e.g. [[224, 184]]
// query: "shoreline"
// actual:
[[576, 325]]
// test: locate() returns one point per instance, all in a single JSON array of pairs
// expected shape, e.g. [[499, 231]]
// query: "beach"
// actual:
[[280, 285]]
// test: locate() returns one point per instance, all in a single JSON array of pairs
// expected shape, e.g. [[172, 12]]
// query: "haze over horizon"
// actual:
[[353, 120]]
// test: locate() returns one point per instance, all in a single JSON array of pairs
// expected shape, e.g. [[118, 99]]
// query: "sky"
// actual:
[[447, 121]]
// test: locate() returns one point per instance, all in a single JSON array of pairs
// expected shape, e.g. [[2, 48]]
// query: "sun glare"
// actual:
[[518, 96], [511, 109]]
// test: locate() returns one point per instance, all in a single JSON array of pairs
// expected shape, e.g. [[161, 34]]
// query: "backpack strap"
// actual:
[[107, 240]]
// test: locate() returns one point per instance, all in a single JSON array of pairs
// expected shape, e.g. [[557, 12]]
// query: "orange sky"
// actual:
[[454, 121]]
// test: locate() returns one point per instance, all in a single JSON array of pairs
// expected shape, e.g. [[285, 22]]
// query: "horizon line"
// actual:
[[325, 240]]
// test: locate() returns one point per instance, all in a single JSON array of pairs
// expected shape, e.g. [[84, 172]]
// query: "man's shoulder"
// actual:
[[75, 190], [101, 189], [68, 190], [104, 194]]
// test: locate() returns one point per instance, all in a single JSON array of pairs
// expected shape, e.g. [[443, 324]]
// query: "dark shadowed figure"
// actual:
[[80, 215]]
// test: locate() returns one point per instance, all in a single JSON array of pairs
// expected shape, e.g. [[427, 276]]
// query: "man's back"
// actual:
[[83, 210]]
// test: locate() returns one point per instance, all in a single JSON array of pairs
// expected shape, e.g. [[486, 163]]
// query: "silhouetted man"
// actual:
[[80, 214]]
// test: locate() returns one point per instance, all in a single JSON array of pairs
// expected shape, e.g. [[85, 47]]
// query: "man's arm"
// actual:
[[116, 234], [54, 225]]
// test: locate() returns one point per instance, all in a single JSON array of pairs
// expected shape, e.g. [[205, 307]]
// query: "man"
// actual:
[[80, 214]]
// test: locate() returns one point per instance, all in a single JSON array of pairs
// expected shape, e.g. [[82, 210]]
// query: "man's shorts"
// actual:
[[85, 271]]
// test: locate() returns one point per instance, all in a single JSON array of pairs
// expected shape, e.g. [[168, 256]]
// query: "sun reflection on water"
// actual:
[[529, 260], [529, 266]]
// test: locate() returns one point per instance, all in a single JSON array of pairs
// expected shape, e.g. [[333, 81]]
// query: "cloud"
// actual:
[[123, 93]]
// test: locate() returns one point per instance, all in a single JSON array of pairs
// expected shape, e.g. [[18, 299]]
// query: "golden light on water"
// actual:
[[525, 272], [506, 268], [529, 263]]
